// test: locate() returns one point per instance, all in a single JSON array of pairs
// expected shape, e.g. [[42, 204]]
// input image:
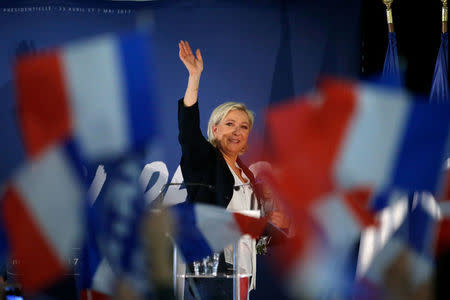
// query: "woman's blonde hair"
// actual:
[[221, 111]]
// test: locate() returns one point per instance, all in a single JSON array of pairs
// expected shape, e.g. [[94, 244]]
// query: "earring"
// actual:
[[244, 149]]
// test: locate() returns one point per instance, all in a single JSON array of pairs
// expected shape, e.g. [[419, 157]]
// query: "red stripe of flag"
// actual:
[[443, 238], [305, 139], [251, 226], [357, 201], [38, 264], [43, 102]]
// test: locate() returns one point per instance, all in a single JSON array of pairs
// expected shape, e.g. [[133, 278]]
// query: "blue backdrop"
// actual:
[[257, 52]]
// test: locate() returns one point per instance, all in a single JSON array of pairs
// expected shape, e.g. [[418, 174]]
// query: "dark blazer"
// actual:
[[201, 163]]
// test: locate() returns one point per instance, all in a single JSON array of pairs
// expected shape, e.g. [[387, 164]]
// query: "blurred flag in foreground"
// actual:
[[97, 92], [84, 103], [96, 278], [439, 88], [356, 136], [330, 155], [405, 264], [120, 217], [203, 229], [41, 210]]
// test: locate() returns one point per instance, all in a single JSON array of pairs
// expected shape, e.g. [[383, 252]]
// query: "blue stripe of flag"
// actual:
[[188, 237], [423, 147], [73, 155], [135, 51], [90, 254], [89, 261], [381, 200], [12, 151]]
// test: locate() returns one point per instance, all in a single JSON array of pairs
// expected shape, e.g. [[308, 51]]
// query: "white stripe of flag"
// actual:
[[53, 193], [96, 84], [370, 163]]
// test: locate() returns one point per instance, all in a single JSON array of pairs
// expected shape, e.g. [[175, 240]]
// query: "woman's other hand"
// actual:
[[193, 64], [279, 220]]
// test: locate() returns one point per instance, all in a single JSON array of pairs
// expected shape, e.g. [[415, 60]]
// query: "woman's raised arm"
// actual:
[[194, 65]]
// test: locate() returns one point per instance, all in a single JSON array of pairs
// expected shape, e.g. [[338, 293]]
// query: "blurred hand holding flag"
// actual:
[[84, 103]]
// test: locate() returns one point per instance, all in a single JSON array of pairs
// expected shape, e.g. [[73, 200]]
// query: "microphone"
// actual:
[[185, 184]]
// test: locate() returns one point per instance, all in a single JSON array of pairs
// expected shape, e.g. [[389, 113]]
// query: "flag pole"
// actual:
[[444, 16], [390, 19]]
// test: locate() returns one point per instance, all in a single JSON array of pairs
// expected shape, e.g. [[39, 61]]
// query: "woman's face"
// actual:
[[232, 132]]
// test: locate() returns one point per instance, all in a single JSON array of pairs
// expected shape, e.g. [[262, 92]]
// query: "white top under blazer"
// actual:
[[242, 201]]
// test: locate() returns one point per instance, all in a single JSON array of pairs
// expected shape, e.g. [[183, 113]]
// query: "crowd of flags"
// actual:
[[338, 155]]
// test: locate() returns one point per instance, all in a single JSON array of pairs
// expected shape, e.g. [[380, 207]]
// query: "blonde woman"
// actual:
[[212, 170], [211, 167]]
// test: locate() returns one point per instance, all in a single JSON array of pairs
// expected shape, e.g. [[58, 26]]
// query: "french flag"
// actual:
[[98, 91], [356, 136], [87, 102], [203, 229], [41, 210]]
